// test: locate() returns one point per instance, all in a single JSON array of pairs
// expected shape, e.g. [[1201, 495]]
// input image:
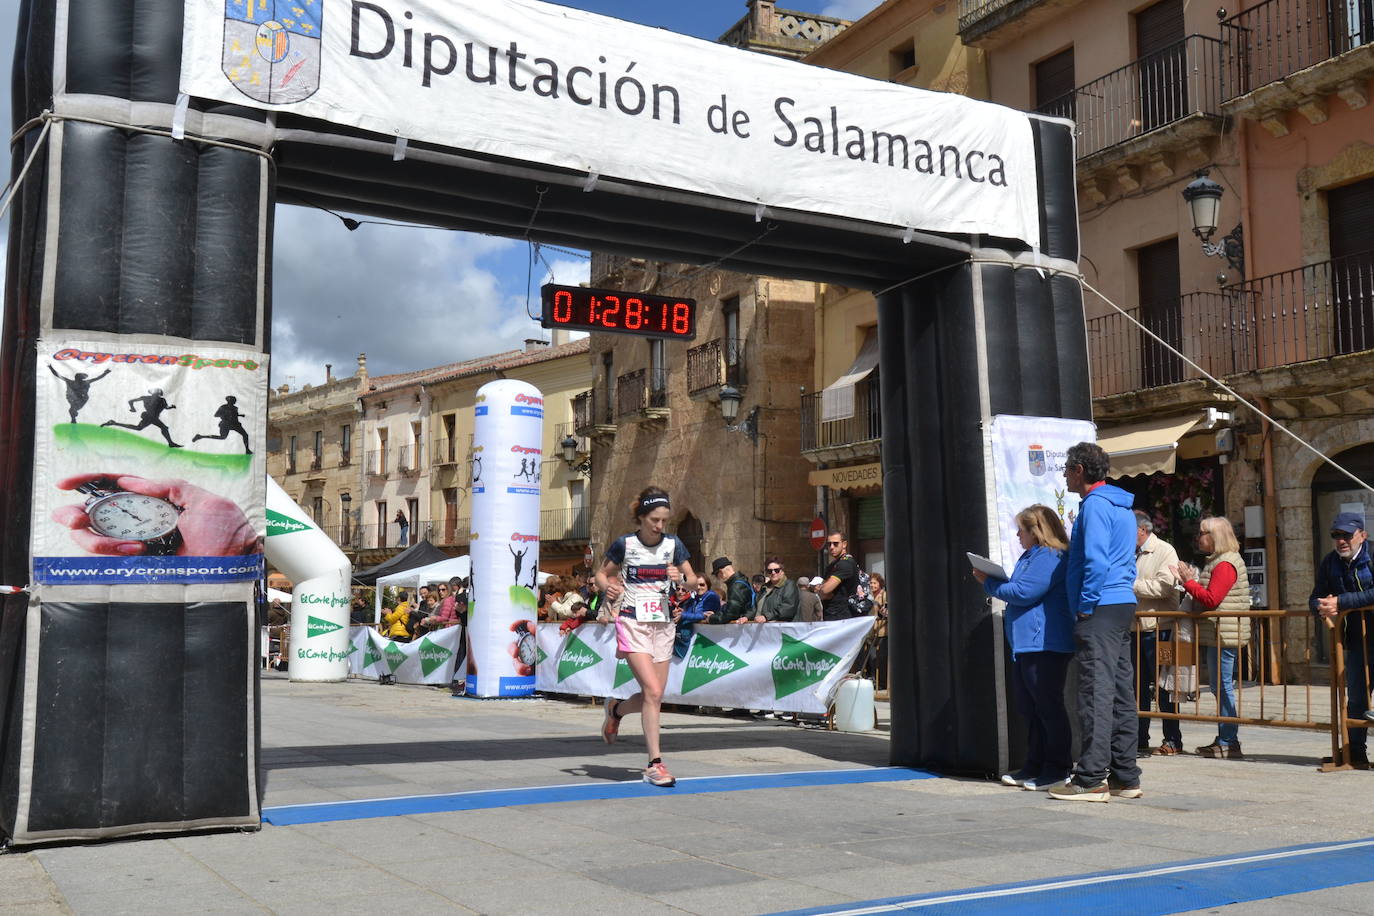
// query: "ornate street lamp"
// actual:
[[1204, 205]]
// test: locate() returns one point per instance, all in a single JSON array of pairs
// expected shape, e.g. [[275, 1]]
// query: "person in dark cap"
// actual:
[[739, 597], [1345, 581]]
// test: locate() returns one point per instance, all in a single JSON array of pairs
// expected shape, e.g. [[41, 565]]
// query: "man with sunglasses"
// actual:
[[1345, 581], [841, 579], [780, 598]]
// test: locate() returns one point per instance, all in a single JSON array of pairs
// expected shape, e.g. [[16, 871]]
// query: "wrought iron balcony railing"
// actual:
[[592, 409], [565, 524], [446, 451], [378, 463], [1144, 95], [837, 426], [1311, 312], [640, 390], [715, 363], [1277, 38]]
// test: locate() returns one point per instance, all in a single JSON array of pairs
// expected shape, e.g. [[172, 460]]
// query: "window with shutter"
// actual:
[[1160, 311], [1054, 85], [1350, 220], [1161, 60]]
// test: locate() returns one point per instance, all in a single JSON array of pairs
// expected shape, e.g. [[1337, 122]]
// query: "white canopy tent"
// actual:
[[442, 571]]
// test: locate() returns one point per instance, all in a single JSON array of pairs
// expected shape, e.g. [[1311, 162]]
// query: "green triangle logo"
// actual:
[[623, 674], [371, 656], [577, 656], [539, 656], [432, 657], [708, 662], [394, 657], [799, 665], [352, 647], [314, 626], [283, 524]]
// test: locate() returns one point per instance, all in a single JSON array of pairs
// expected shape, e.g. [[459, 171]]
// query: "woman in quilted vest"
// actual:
[[1222, 585]]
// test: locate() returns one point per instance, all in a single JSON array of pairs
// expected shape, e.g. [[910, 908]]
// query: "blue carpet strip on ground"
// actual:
[[1150, 891], [287, 815]]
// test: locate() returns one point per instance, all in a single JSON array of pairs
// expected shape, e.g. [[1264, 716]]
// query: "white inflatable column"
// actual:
[[508, 430], [321, 597]]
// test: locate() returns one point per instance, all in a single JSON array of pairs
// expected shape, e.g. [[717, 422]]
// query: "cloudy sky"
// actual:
[[337, 293]]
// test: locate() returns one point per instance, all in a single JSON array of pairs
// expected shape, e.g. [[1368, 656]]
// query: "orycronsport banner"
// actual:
[[428, 660], [1028, 466], [543, 83], [507, 469], [787, 667], [148, 464]]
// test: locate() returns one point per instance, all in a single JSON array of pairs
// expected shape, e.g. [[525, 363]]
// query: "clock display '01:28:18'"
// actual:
[[618, 312]]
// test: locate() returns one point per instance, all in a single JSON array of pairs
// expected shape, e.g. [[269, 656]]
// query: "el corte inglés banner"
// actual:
[[788, 667]]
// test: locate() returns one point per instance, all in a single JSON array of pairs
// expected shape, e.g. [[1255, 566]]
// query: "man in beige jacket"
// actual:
[[1156, 589]]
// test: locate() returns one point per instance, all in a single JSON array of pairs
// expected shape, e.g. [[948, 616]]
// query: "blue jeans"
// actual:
[[1228, 733]]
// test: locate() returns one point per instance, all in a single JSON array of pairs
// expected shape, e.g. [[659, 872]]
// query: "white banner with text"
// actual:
[[785, 667], [1028, 466], [530, 81]]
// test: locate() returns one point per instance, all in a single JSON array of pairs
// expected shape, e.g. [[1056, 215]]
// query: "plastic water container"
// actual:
[[854, 705]]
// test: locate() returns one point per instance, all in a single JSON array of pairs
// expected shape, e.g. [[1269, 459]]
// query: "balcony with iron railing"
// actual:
[[388, 536], [1126, 121], [446, 452], [565, 524], [378, 463], [1284, 55], [594, 414], [1212, 329], [408, 459], [563, 430], [842, 423], [713, 365], [642, 396], [1309, 313], [452, 532]]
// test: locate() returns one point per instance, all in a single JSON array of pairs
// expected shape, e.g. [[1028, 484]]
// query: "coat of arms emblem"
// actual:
[[1036, 456], [272, 48]]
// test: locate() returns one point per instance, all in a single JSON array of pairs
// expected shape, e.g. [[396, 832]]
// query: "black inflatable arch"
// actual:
[[131, 232]]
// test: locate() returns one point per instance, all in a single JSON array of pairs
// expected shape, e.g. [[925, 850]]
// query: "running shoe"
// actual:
[[610, 725], [656, 774], [1072, 791]]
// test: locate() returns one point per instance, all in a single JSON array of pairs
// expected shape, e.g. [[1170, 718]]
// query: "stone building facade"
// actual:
[[653, 416], [313, 437]]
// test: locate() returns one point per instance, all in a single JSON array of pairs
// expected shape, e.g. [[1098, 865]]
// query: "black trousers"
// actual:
[[1106, 697], [1039, 681]]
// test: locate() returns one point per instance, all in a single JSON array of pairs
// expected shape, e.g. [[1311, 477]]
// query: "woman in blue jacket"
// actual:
[[1039, 627]]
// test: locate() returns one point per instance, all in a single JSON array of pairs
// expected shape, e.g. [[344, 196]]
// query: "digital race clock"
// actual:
[[577, 308]]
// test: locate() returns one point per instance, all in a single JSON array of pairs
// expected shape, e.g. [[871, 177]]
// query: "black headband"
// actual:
[[651, 502]]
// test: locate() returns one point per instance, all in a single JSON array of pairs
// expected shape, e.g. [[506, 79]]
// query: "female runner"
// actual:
[[639, 571]]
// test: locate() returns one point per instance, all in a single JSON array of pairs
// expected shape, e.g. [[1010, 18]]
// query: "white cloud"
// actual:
[[567, 271], [409, 298]]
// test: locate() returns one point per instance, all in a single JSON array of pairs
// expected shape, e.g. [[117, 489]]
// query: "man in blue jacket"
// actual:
[[1100, 579], [1345, 581]]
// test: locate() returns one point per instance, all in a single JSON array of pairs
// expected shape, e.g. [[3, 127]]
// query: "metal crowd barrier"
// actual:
[[1275, 687]]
